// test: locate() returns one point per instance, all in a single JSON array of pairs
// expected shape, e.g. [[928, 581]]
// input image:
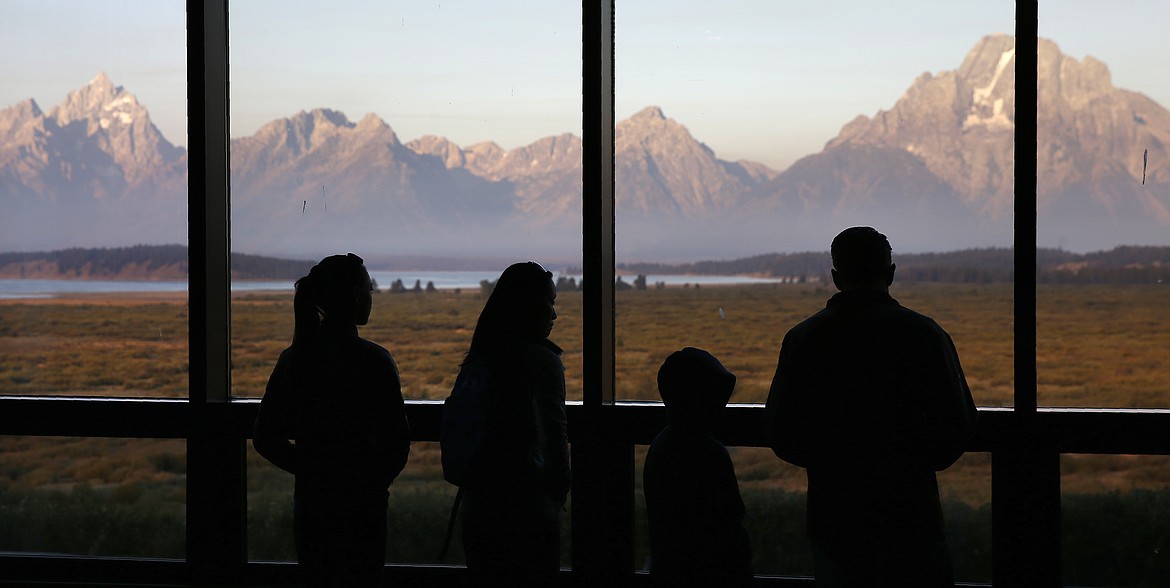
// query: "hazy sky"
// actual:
[[770, 80]]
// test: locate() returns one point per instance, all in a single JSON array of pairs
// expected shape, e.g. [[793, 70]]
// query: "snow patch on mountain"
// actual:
[[981, 99]]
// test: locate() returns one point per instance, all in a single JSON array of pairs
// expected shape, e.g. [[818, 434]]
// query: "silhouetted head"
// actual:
[[520, 308], [694, 386], [336, 291], [861, 260]]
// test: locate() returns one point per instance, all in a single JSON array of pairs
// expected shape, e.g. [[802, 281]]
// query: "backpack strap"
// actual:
[[451, 524]]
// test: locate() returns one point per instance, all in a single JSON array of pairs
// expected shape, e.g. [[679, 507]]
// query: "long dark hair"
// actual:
[[326, 293], [511, 314]]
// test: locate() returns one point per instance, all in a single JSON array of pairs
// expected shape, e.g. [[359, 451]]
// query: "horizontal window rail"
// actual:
[[1113, 431]]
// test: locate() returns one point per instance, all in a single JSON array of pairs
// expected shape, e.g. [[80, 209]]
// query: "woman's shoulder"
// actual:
[[548, 347], [291, 356], [541, 351], [522, 359], [374, 352]]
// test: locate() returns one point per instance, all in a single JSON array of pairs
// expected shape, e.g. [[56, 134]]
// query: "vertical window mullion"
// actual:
[[208, 211], [1025, 209], [603, 463], [1025, 465], [598, 204], [216, 487]]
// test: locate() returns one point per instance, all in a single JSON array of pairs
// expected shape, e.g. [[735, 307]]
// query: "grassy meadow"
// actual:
[[1099, 346]]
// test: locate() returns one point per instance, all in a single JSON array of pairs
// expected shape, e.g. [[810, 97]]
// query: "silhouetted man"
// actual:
[[869, 396]]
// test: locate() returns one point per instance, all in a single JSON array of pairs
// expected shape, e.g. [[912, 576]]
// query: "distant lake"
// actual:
[[443, 280]]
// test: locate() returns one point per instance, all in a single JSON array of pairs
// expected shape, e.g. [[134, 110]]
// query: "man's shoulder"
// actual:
[[912, 317], [847, 314], [811, 323]]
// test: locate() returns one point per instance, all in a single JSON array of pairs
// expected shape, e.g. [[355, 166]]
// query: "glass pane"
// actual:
[[774, 496], [418, 510], [965, 491], [439, 166], [774, 499], [743, 326], [748, 137], [95, 345], [1113, 521], [1103, 167], [270, 511], [93, 496], [93, 180], [427, 333]]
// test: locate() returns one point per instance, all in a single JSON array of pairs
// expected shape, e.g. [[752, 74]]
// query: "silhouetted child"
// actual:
[[692, 497]]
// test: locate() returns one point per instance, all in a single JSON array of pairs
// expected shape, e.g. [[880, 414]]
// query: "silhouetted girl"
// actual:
[[333, 416], [511, 518]]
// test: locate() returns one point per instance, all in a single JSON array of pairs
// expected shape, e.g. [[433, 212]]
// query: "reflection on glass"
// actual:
[[748, 137], [1103, 173], [93, 496], [439, 167], [1112, 521], [93, 263]]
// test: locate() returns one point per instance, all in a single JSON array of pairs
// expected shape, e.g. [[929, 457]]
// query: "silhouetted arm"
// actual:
[[951, 416], [549, 393], [392, 432], [787, 409], [270, 437]]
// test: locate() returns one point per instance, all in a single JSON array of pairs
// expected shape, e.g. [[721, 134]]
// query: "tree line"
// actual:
[[1120, 265], [111, 261]]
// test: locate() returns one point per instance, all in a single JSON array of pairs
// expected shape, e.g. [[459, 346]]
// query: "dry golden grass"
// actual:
[[427, 333], [1099, 345]]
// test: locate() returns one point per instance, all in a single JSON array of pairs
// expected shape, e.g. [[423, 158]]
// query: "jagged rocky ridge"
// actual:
[[935, 171], [91, 168]]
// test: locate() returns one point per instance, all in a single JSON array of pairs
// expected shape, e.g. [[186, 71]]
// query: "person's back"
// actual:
[[870, 436], [869, 396], [525, 445], [341, 406], [510, 512], [333, 416], [694, 509]]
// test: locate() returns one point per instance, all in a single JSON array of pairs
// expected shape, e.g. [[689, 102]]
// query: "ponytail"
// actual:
[[326, 292], [306, 316]]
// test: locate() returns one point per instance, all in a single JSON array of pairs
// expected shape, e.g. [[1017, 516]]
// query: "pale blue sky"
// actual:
[[770, 80]]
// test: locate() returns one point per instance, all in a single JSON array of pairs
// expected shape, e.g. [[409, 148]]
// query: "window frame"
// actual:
[[1025, 441]]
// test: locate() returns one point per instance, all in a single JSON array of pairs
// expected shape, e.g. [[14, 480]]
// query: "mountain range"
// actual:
[[935, 172]]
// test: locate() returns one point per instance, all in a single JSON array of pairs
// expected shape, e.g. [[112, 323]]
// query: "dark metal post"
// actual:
[[216, 482], [1026, 468], [603, 459]]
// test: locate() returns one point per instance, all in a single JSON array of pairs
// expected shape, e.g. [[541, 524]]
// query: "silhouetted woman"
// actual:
[[333, 416], [511, 519]]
